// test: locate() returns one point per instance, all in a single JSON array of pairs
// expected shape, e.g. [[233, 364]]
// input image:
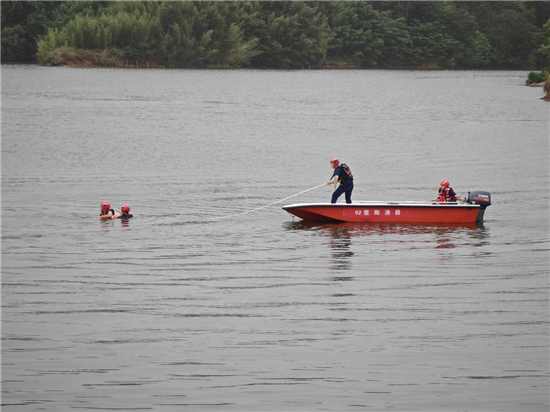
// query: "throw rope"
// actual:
[[271, 204]]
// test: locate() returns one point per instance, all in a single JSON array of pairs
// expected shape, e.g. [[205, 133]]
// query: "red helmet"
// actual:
[[445, 183], [105, 206], [125, 208], [335, 161]]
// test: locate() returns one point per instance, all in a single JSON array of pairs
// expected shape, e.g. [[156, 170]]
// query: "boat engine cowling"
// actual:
[[481, 198]]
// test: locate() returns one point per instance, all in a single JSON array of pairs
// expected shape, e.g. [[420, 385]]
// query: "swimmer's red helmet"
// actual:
[[335, 161], [125, 208], [445, 183], [105, 206]]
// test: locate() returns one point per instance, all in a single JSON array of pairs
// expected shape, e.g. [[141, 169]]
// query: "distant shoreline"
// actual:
[[328, 66]]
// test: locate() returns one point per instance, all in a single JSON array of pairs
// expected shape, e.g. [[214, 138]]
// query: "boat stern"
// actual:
[[481, 198]]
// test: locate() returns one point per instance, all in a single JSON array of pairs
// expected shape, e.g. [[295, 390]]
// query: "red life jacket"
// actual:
[[445, 196]]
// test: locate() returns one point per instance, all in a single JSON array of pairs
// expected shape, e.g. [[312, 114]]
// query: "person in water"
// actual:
[[342, 174], [124, 213], [447, 194], [106, 213]]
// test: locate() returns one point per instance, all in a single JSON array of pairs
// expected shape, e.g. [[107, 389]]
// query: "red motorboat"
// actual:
[[472, 211]]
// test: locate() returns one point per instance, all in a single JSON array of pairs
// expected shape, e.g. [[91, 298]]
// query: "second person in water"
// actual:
[[342, 175]]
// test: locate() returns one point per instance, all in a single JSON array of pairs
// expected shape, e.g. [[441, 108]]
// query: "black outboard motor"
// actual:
[[483, 199]]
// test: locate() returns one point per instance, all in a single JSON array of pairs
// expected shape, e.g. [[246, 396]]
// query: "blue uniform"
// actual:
[[346, 185]]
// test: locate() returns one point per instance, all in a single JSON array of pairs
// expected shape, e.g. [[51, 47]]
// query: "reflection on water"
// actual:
[[348, 230], [341, 237], [340, 250], [106, 225], [125, 223], [390, 228]]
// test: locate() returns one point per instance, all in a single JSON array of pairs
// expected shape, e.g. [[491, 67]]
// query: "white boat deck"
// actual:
[[385, 203]]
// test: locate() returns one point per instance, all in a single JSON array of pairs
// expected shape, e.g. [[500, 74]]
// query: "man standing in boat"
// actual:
[[446, 193], [342, 174]]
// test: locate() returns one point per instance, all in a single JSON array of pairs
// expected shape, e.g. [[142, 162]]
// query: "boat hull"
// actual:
[[386, 212]]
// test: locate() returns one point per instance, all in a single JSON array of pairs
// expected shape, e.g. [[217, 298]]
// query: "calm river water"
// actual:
[[179, 310]]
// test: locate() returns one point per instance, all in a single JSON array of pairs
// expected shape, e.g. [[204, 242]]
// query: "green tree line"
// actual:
[[280, 34]]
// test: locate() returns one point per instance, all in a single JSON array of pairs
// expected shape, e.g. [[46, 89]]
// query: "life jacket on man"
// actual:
[[346, 175], [105, 209], [445, 192]]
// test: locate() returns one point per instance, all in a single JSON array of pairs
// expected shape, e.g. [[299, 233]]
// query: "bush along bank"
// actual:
[[537, 78], [541, 79]]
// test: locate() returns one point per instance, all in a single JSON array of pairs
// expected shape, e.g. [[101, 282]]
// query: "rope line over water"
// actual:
[[271, 204]]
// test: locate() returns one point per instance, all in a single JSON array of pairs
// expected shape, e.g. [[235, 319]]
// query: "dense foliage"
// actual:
[[279, 34]]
